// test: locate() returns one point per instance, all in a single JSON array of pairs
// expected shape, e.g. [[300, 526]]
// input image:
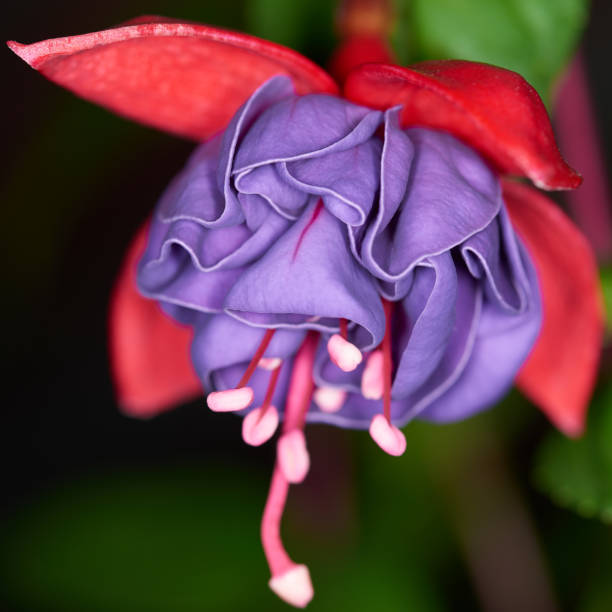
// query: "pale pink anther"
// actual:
[[292, 456], [294, 586], [373, 379], [269, 363], [259, 425], [329, 399], [343, 353], [387, 436], [230, 400]]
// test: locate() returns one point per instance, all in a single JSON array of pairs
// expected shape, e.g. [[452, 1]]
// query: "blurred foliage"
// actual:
[[533, 37], [186, 539], [305, 25], [606, 285], [578, 473]]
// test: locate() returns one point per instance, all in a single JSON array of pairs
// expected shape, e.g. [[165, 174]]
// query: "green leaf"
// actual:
[[533, 37], [606, 285], [578, 473], [303, 25]]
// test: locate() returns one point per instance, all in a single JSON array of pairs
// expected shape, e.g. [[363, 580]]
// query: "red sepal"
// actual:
[[492, 109], [559, 374], [149, 352], [184, 78]]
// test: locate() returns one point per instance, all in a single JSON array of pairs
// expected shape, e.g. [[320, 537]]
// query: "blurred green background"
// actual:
[[101, 512]]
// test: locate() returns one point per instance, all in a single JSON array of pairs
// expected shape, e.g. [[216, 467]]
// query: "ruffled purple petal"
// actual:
[[169, 271], [449, 195], [270, 93], [501, 345], [310, 273], [429, 310], [347, 181], [305, 127]]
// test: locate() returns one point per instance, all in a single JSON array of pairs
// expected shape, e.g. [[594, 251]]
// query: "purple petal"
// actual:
[[305, 127], [346, 180], [501, 345], [430, 310], [450, 195], [270, 93], [307, 273]]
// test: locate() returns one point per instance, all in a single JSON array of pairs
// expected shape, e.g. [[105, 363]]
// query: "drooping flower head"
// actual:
[[347, 261], [313, 213]]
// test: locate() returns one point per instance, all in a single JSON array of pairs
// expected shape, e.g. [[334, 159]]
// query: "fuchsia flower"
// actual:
[[353, 260]]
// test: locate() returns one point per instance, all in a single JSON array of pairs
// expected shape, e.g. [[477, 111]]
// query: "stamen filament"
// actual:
[[387, 363], [258, 355], [241, 396], [383, 432], [291, 452], [301, 384], [344, 328], [290, 581], [270, 390]]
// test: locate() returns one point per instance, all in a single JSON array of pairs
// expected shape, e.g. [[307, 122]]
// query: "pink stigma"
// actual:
[[373, 379], [294, 586], [290, 581], [329, 399], [343, 353]]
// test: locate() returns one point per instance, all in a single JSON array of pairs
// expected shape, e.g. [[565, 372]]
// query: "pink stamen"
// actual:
[[329, 399], [387, 436], [383, 432], [387, 364], [256, 358], [292, 456], [260, 424], [230, 400], [269, 363], [301, 384], [290, 581], [373, 379], [344, 328], [343, 353]]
